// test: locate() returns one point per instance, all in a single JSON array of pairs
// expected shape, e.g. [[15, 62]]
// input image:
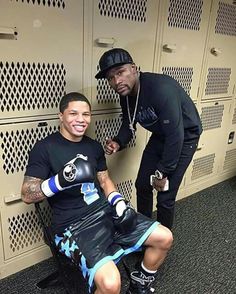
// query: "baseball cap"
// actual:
[[112, 58]]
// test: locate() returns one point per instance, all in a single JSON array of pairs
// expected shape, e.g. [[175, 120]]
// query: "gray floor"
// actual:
[[202, 260]]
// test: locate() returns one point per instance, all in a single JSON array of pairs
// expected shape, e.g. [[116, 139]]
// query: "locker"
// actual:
[[182, 42], [208, 158], [220, 69], [44, 61], [127, 24], [123, 166]]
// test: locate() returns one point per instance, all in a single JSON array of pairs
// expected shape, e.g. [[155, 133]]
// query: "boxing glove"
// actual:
[[75, 172], [125, 217]]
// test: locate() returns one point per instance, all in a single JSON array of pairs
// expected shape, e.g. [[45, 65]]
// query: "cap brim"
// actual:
[[102, 73]]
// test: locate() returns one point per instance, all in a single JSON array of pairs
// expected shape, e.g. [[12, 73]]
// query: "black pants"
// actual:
[[165, 200]]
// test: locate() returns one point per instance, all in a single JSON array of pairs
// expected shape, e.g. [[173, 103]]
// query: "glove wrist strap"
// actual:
[[51, 186], [114, 198]]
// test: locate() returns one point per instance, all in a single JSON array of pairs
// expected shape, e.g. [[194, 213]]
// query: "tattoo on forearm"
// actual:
[[105, 182], [32, 190], [102, 176]]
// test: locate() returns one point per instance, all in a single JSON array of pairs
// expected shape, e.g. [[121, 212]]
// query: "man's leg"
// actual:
[[143, 188], [158, 245], [107, 279], [166, 200]]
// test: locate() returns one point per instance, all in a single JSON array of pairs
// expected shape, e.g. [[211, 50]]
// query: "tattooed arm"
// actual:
[[105, 182], [31, 190]]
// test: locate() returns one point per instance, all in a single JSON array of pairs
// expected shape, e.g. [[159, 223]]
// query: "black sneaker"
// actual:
[[140, 284]]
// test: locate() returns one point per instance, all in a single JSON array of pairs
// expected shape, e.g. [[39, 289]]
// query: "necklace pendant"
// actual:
[[131, 127]]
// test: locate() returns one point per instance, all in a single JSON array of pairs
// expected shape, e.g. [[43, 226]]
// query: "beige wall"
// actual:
[[47, 49]]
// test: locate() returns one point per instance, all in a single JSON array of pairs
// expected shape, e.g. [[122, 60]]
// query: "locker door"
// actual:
[[122, 166], [127, 24], [20, 228], [229, 160], [208, 159], [41, 58], [220, 72], [44, 59], [183, 40]]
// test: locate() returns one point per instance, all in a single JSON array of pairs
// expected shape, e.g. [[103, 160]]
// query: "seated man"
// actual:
[[91, 221]]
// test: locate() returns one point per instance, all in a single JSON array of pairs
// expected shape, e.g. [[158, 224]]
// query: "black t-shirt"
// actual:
[[48, 157]]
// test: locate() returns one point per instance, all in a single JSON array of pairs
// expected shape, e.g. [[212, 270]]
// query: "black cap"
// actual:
[[112, 58]]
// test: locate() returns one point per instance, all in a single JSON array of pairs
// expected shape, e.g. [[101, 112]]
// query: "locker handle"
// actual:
[[169, 47], [12, 198], [8, 33], [216, 51], [200, 146], [105, 41]]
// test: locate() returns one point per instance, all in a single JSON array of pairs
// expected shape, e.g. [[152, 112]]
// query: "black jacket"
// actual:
[[166, 110]]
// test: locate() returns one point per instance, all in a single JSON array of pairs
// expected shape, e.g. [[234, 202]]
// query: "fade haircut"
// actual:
[[72, 96]]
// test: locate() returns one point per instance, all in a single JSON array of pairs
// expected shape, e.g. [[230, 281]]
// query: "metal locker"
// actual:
[[127, 24], [229, 160], [208, 158], [44, 60], [122, 166], [220, 63], [182, 41], [20, 228]]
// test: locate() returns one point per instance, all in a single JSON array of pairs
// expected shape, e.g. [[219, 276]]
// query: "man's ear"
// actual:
[[60, 116], [134, 67]]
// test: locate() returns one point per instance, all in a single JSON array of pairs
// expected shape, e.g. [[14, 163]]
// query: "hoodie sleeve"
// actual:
[[172, 129]]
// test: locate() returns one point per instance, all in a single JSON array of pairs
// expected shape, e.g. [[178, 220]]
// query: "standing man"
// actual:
[[159, 104], [91, 221]]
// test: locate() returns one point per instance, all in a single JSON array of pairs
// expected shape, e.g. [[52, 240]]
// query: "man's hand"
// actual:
[[125, 217], [111, 147], [160, 185], [75, 172]]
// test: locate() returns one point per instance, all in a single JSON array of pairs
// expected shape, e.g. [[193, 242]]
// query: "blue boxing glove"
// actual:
[[125, 217], [75, 172]]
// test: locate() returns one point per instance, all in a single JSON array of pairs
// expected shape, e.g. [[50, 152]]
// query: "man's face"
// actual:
[[123, 78], [75, 120]]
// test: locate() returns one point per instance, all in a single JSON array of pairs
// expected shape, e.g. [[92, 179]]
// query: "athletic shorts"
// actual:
[[93, 241]]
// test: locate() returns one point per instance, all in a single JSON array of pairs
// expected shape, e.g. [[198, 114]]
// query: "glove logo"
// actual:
[[69, 172]]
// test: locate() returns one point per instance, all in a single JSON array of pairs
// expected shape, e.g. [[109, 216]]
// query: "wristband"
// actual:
[[51, 186], [114, 198]]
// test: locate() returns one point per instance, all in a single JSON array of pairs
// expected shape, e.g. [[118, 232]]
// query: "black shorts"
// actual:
[[93, 241]]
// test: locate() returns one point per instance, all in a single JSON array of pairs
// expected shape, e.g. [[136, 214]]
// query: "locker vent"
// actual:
[[125, 188], [108, 128], [203, 166], [185, 14], [230, 160], [217, 81], [30, 86], [25, 231], [211, 117], [234, 117], [105, 94], [225, 21], [15, 146], [183, 75], [123, 9], [49, 3]]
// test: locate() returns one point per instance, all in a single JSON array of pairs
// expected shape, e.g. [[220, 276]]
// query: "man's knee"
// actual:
[[161, 237], [166, 237], [111, 286], [109, 283]]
